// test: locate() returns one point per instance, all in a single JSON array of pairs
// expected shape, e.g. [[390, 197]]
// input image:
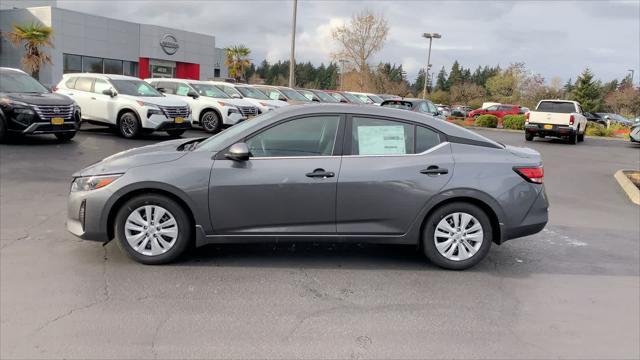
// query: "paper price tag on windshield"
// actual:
[[381, 140]]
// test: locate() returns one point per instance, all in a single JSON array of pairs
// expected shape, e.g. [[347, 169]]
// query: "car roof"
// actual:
[[101, 76], [13, 69]]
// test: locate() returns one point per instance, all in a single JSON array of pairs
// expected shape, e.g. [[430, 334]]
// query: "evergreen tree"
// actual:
[[587, 92], [418, 86], [455, 76], [441, 82]]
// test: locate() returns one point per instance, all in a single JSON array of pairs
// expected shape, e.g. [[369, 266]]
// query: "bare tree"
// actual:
[[359, 40]]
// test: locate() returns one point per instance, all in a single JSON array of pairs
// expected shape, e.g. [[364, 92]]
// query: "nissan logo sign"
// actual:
[[169, 44]]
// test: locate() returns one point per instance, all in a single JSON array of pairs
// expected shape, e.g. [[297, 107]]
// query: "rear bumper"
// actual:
[[535, 220], [555, 130]]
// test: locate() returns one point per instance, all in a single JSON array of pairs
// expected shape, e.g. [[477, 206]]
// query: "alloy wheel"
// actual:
[[210, 121], [458, 236], [128, 125], [151, 230]]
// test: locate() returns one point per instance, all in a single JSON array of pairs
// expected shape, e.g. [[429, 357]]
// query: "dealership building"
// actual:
[[90, 43]]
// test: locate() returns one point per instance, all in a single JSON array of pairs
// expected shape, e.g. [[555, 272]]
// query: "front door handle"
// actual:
[[92, 98], [320, 173], [434, 170], [70, 94]]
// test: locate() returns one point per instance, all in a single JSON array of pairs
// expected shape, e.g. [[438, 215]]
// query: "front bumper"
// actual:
[[554, 130], [634, 136], [92, 225], [232, 118], [161, 123]]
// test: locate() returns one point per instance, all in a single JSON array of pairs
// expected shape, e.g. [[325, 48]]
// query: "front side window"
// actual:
[[100, 85], [424, 108], [353, 98], [309, 136], [209, 90], [135, 88], [294, 95], [325, 97], [381, 137], [229, 90], [252, 93], [182, 89], [339, 97], [492, 108]]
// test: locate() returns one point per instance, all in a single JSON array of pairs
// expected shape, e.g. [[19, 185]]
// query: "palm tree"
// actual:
[[237, 61], [35, 37]]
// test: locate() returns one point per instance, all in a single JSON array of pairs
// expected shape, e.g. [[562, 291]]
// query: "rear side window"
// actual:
[[84, 84], [71, 83], [426, 139], [556, 107], [398, 104], [381, 137]]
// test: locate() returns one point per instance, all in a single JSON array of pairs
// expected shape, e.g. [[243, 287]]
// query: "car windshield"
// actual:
[[252, 93], [353, 98], [339, 97], [229, 90], [293, 95], [376, 99], [556, 107], [308, 94], [135, 88], [325, 97], [209, 90], [17, 82], [364, 98], [218, 141], [620, 118]]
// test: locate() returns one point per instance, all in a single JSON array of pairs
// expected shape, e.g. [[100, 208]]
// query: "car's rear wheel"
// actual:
[[66, 136], [152, 229], [175, 133], [580, 135], [210, 122], [3, 131], [129, 125], [573, 138], [457, 236], [528, 136]]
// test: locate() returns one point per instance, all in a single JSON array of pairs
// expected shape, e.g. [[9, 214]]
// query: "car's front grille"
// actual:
[[47, 112], [248, 110], [176, 111]]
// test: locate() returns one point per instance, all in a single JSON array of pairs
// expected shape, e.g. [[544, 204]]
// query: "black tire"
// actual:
[[3, 131], [66, 136], [580, 136], [573, 138], [429, 243], [128, 125], [528, 136], [184, 226], [176, 133], [211, 122], [541, 136]]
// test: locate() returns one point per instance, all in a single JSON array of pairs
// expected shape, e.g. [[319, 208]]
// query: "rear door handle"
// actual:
[[320, 173], [434, 170]]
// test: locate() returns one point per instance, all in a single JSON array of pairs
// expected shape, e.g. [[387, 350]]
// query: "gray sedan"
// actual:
[[316, 172]]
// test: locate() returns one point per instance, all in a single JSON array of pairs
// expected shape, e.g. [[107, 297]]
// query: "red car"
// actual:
[[499, 111]]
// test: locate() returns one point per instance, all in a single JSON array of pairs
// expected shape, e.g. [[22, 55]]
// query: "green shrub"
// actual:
[[594, 129], [515, 122], [488, 121]]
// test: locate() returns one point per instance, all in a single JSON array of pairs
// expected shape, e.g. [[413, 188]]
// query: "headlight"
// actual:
[[7, 101], [87, 183], [233, 109], [23, 111], [154, 111]]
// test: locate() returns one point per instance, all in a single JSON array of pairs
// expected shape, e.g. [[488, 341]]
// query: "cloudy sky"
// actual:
[[554, 38]]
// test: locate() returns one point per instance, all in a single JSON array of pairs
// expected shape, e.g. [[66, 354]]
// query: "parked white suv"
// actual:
[[212, 108], [249, 94], [128, 103]]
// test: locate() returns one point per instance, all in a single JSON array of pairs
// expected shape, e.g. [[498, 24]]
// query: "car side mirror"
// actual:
[[344, 101], [109, 92], [238, 152], [315, 99], [282, 98], [161, 89], [193, 94], [236, 96]]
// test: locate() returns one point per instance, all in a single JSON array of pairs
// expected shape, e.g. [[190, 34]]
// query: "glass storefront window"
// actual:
[[71, 63], [112, 66], [92, 64], [130, 68]]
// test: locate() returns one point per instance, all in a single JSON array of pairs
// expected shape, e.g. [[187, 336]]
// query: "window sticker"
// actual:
[[182, 90], [381, 140]]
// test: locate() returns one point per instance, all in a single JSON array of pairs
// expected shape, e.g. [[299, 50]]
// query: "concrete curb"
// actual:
[[628, 186], [522, 132]]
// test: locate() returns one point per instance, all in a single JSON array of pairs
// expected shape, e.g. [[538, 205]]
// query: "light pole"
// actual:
[[292, 59], [632, 72], [342, 62], [429, 36]]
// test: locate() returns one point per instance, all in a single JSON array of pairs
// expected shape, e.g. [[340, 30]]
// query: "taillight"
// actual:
[[531, 174], [54, 88], [526, 116], [571, 120]]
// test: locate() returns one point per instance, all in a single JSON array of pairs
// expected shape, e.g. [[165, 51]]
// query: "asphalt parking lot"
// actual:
[[571, 291]]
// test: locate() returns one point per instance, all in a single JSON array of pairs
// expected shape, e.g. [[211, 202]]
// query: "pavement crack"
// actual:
[[19, 238], [154, 339]]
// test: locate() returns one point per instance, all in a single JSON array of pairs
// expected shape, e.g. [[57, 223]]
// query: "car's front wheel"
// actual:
[[129, 125], [152, 229], [528, 136], [457, 236], [211, 122]]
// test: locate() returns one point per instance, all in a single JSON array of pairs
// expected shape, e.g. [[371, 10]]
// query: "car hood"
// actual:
[[39, 99], [147, 155], [158, 100], [237, 102]]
